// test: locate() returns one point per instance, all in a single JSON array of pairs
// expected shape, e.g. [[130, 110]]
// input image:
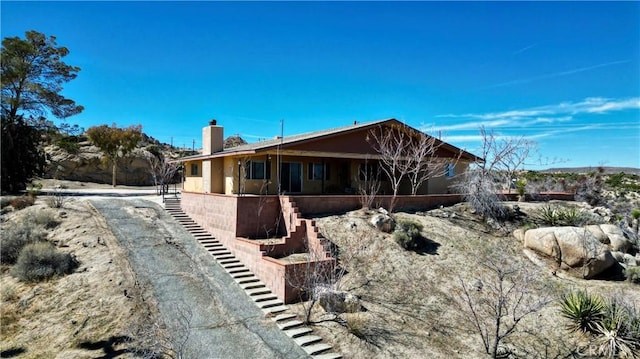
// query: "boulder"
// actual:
[[519, 234], [383, 222], [597, 232], [629, 260], [572, 247], [618, 242], [618, 256], [336, 301]]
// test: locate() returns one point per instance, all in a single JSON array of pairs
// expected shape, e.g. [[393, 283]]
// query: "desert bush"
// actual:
[[56, 199], [589, 188], [22, 202], [69, 144], [583, 310], [8, 293], [41, 261], [632, 274], [521, 186], [14, 238], [558, 216], [45, 218], [407, 233]]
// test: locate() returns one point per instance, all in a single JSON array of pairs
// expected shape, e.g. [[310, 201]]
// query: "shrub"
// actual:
[[583, 310], [45, 219], [69, 144], [521, 186], [632, 274], [557, 216], [14, 238], [407, 233], [41, 261], [21, 202], [56, 199], [356, 324]]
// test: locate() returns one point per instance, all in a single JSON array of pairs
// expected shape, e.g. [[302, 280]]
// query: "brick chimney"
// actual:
[[212, 138]]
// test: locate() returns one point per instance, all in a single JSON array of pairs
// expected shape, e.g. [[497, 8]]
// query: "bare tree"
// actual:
[[482, 182], [368, 184], [498, 301], [162, 170], [422, 162]]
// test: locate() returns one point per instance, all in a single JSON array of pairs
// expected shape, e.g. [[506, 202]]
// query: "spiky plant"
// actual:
[[616, 336], [583, 310]]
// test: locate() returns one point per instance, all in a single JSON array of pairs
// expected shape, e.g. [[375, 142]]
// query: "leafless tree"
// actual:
[[422, 160], [162, 170], [482, 182], [498, 301], [368, 185]]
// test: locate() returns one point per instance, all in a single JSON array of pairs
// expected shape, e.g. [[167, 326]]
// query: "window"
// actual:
[[369, 171], [450, 170], [316, 171], [194, 169], [258, 170]]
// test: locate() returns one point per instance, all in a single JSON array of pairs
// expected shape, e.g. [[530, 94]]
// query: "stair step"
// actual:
[[276, 309], [229, 261], [269, 303], [256, 291], [237, 270], [232, 265], [316, 348], [289, 325], [242, 275], [328, 356], [223, 256], [282, 317], [264, 297], [307, 340], [297, 332], [251, 284]]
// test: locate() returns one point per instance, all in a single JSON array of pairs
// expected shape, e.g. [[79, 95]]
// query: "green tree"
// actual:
[[32, 77], [115, 142]]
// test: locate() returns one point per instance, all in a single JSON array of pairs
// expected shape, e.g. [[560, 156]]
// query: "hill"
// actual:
[[585, 170]]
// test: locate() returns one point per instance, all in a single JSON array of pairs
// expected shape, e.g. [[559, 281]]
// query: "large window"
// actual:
[[194, 169], [318, 171], [258, 170]]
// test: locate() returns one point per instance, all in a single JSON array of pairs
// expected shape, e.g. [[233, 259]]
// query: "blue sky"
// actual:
[[564, 74]]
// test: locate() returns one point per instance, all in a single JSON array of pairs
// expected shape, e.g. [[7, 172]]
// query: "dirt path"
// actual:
[[197, 300]]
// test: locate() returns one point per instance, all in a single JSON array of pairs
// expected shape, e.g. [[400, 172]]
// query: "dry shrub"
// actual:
[[21, 202], [14, 238], [41, 261], [46, 219]]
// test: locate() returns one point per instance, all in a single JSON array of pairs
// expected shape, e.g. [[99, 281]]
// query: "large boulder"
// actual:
[[617, 240], [336, 301], [572, 248]]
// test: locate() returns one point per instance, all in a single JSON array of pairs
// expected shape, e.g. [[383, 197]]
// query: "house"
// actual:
[[256, 198], [324, 162]]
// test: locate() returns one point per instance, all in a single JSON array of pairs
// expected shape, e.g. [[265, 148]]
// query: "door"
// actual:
[[291, 177]]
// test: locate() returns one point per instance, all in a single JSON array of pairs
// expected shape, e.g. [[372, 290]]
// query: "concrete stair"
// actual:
[[253, 287]]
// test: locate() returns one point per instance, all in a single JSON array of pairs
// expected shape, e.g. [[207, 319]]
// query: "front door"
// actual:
[[291, 177]]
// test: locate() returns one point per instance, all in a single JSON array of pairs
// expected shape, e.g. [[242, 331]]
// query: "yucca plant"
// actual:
[[616, 333], [583, 310]]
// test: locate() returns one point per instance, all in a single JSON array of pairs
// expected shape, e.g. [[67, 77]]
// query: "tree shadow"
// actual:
[[13, 352], [109, 350]]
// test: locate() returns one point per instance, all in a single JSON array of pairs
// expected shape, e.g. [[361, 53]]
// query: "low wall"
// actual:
[[310, 205]]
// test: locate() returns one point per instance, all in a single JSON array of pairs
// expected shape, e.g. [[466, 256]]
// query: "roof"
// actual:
[[296, 139]]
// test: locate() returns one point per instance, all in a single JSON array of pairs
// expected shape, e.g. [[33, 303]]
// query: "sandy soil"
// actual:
[[82, 315]]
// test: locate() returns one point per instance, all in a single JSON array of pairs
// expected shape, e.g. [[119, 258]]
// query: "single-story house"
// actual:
[[333, 161], [256, 199]]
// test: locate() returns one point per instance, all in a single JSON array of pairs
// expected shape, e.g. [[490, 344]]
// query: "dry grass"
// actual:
[[413, 302], [54, 318]]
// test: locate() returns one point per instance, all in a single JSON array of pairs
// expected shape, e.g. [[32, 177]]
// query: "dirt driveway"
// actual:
[[197, 299]]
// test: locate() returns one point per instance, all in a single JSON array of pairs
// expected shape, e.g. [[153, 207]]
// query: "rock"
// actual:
[[519, 234], [383, 222], [572, 247], [629, 260], [597, 232], [618, 242], [618, 256], [383, 211], [335, 301]]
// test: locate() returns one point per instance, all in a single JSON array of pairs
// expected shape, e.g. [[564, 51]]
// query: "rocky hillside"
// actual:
[[81, 161]]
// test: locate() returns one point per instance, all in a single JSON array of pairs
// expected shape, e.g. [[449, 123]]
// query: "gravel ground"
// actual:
[[195, 295]]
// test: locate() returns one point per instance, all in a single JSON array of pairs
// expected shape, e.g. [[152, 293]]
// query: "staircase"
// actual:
[[253, 287]]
